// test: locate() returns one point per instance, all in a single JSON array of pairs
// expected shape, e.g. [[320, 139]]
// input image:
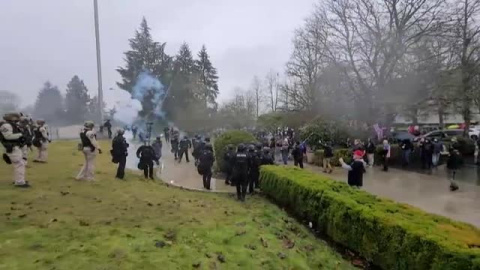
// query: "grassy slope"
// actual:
[[111, 224]]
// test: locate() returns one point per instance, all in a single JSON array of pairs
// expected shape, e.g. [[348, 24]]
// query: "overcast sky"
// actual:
[[53, 40]]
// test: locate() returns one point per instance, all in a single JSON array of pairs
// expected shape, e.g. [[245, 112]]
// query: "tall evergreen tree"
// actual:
[[76, 100], [145, 55], [184, 62], [208, 77], [49, 104]]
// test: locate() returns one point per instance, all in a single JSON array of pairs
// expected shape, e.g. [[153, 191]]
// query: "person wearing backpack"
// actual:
[[119, 153], [206, 161], [146, 154], [41, 141]]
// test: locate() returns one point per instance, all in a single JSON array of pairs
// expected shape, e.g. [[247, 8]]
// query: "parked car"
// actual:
[[467, 145], [399, 136]]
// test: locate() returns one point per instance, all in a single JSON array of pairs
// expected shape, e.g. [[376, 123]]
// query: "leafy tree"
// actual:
[[49, 103], [76, 100], [208, 77]]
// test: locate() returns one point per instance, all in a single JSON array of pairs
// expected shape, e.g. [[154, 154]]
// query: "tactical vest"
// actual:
[[38, 135], [86, 141], [9, 144]]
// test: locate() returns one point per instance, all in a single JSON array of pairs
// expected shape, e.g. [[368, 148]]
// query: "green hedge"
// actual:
[[389, 234], [234, 137]]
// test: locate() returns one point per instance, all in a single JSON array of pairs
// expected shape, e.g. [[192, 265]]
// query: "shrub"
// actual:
[[344, 153], [234, 137], [389, 234]]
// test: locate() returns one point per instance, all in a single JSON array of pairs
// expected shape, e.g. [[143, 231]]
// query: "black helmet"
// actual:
[[209, 146], [230, 147], [266, 150], [207, 139], [258, 146], [251, 148], [185, 137], [241, 147]]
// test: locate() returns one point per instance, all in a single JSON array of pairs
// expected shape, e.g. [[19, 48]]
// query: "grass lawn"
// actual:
[[64, 224]]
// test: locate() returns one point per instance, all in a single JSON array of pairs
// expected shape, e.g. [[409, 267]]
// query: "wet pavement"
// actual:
[[178, 174], [429, 192]]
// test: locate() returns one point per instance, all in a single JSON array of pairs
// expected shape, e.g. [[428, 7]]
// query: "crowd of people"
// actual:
[[18, 133]]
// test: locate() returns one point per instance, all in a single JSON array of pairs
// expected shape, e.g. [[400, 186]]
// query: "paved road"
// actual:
[[428, 192]]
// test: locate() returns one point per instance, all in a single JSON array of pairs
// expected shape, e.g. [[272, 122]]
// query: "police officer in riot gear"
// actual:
[[119, 153], [147, 156], [175, 140], [254, 159], [267, 157], [13, 140], [184, 145], [228, 158], [27, 131], [89, 146], [240, 171], [41, 141], [205, 165]]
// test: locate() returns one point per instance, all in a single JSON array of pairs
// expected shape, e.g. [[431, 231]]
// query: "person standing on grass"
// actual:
[[356, 169], [41, 141], [146, 154], [119, 153], [297, 155], [89, 147], [240, 171], [385, 154], [327, 158], [205, 165], [371, 152]]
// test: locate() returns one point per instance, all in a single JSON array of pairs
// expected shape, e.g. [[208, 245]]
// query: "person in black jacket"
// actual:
[[146, 154], [205, 165], [453, 163], [184, 145], [254, 168], [120, 153], [108, 126], [327, 158], [426, 153], [228, 157], [166, 131], [297, 154], [356, 169], [174, 141], [240, 171], [407, 148], [266, 158], [370, 152]]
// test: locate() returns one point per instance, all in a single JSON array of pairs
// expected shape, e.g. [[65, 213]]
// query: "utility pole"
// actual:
[[99, 64]]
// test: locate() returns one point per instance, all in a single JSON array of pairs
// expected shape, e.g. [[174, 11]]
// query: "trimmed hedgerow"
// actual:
[[389, 234], [234, 137]]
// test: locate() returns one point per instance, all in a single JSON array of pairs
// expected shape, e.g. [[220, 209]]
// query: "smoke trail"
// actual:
[[149, 86], [129, 105]]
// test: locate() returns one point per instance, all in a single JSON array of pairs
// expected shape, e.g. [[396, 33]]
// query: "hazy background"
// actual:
[[54, 39]]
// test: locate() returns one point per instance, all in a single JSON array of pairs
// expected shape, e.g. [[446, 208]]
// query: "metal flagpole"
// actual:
[[99, 64]]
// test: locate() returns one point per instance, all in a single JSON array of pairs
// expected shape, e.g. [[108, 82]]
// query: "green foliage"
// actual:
[[208, 78], [391, 235], [76, 100], [321, 130], [344, 153], [234, 137], [49, 103], [65, 224]]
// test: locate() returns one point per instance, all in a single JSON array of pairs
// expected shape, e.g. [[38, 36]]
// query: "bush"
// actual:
[[389, 234], [344, 153], [234, 137]]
